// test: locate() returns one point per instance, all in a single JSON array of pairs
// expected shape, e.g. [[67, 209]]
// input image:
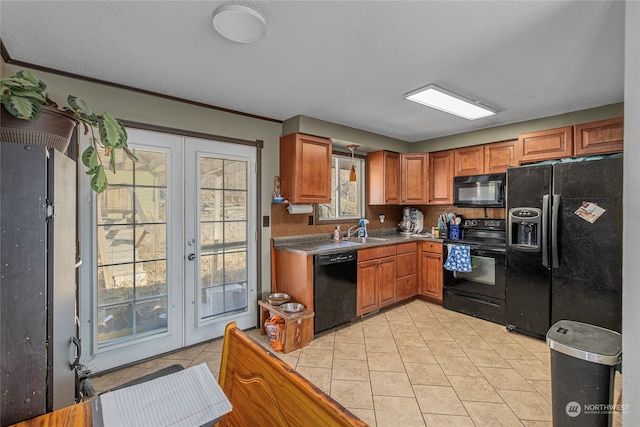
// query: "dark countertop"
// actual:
[[315, 244]]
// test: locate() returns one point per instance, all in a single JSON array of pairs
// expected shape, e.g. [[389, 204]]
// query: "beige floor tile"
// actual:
[[544, 358], [390, 362], [534, 345], [393, 411], [323, 342], [390, 384], [349, 369], [417, 355], [459, 329], [505, 379], [512, 351], [488, 358], [485, 414], [531, 423], [380, 345], [436, 420], [472, 342], [211, 359], [458, 366], [343, 350], [435, 333], [315, 358], [321, 377], [527, 405], [214, 346], [290, 358], [187, 354], [492, 334], [353, 335], [366, 415], [426, 374], [352, 394], [531, 369], [413, 339], [438, 400], [543, 387], [475, 389], [445, 348]]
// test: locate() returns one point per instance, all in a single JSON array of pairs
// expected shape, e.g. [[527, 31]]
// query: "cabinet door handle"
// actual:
[[191, 257]]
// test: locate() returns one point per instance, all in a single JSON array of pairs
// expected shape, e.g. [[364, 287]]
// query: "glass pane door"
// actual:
[[132, 250], [220, 247]]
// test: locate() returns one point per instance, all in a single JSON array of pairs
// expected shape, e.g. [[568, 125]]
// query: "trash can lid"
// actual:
[[586, 342]]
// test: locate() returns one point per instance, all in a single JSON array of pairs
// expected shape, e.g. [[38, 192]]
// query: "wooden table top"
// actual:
[[71, 416]]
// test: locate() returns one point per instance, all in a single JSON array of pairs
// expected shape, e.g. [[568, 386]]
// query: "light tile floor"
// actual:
[[414, 365]]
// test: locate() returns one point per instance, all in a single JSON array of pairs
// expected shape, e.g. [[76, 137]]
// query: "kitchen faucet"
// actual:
[[351, 228]]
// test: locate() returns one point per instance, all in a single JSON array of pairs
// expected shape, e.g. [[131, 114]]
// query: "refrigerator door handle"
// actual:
[[545, 230], [555, 262]]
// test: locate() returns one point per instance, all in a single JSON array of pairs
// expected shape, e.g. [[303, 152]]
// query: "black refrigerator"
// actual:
[[564, 244], [37, 281]]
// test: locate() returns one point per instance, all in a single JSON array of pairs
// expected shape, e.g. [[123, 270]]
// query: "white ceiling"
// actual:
[[346, 62]]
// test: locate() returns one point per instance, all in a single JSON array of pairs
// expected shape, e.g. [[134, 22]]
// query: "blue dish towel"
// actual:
[[459, 258]]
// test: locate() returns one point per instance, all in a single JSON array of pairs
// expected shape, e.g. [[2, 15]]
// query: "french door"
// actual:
[[173, 242]]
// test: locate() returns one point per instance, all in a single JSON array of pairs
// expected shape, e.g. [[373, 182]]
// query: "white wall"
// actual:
[[631, 264]]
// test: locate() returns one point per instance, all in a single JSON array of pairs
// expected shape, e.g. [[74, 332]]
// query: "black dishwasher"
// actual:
[[334, 289]]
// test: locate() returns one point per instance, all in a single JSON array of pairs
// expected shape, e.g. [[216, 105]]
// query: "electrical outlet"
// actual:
[[265, 221], [310, 219]]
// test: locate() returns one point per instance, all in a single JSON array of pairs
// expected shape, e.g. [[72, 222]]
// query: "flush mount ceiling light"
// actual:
[[239, 23], [449, 102]]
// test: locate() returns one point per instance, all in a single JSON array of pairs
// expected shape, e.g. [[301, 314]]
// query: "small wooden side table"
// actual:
[[298, 327]]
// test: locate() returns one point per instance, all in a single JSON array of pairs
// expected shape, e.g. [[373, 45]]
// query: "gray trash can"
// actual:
[[583, 363]]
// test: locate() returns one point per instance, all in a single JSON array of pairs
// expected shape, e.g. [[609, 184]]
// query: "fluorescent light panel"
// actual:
[[449, 102]]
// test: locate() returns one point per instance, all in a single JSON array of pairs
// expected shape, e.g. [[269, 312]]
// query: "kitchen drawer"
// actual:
[[406, 287], [407, 264], [403, 248], [377, 252], [434, 247]]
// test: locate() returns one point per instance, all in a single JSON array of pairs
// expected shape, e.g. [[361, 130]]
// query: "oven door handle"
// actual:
[[487, 252]]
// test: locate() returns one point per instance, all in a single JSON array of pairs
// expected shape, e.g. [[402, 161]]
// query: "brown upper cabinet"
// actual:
[[469, 160], [414, 168], [500, 155], [603, 137], [305, 168], [487, 158], [383, 178], [441, 177], [545, 145], [397, 179]]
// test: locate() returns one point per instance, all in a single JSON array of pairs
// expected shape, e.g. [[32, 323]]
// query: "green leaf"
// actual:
[[112, 132], [99, 180], [90, 157], [79, 105], [22, 108]]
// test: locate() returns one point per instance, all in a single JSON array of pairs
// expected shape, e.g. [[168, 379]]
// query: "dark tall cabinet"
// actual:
[[37, 281]]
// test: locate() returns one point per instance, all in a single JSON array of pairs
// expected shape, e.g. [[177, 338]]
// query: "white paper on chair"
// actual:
[[191, 397]]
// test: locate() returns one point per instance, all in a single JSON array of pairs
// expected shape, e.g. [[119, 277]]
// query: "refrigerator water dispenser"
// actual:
[[525, 228]]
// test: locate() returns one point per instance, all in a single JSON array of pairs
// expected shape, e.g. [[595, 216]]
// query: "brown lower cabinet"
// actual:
[[430, 271], [376, 286]]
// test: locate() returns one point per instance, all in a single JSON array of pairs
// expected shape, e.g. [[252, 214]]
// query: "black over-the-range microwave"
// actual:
[[483, 191]]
